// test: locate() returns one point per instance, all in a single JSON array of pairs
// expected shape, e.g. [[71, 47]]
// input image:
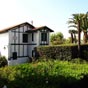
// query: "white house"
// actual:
[[18, 42]]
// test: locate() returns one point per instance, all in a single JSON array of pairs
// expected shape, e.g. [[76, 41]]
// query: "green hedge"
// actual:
[[50, 74], [63, 52], [84, 52], [58, 52]]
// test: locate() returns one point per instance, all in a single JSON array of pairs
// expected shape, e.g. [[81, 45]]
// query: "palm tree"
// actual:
[[73, 35], [76, 22], [85, 26], [70, 31], [79, 30]]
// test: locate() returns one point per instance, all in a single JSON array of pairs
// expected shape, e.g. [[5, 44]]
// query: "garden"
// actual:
[[46, 74], [57, 66]]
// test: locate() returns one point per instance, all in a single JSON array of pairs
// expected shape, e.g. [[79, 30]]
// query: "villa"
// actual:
[[17, 43]]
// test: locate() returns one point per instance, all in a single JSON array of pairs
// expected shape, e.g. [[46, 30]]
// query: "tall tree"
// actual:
[[79, 30], [71, 32], [73, 35], [85, 26], [76, 21]]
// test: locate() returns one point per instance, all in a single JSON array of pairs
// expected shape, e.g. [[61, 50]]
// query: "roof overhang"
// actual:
[[15, 26], [39, 28]]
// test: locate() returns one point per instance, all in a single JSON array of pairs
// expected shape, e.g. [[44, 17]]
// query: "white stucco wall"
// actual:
[[31, 48], [23, 48], [9, 39], [37, 41], [18, 37], [4, 41], [36, 38], [33, 43]]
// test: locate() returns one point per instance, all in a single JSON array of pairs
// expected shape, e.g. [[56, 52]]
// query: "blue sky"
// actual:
[[53, 13]]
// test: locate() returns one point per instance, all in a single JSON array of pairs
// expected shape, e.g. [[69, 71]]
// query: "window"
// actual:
[[25, 38], [32, 36], [43, 36]]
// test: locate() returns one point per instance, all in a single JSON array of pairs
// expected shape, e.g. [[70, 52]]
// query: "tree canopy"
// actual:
[[57, 38]]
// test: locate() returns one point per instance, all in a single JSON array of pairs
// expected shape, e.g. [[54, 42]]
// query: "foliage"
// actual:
[[84, 51], [62, 52], [74, 20], [77, 21], [73, 35], [68, 40], [44, 74], [3, 61], [85, 27], [57, 38], [81, 18]]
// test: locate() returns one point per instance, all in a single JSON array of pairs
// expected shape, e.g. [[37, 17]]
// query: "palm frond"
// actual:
[[75, 26]]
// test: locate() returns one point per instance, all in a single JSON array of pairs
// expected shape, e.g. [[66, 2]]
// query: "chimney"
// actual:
[[32, 22]]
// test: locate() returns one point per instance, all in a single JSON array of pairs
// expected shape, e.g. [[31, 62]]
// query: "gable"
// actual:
[[40, 28], [44, 28]]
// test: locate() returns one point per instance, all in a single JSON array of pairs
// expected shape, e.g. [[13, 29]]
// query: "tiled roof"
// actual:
[[39, 28], [12, 27], [18, 25]]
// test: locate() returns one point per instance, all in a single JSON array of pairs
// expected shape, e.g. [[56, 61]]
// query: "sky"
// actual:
[[52, 13]]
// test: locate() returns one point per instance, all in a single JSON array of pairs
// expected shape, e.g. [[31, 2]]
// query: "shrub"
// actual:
[[48, 74], [63, 52], [84, 51], [3, 61]]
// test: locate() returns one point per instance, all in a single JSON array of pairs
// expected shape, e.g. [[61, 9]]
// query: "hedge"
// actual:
[[63, 52], [58, 52], [50, 74], [84, 52]]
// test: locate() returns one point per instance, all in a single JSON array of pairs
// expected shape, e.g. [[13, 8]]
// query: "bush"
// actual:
[[63, 52], [3, 61], [47, 74], [84, 51]]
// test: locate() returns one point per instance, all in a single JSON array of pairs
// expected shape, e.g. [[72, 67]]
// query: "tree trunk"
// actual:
[[75, 41], [71, 38], [79, 31], [85, 37]]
